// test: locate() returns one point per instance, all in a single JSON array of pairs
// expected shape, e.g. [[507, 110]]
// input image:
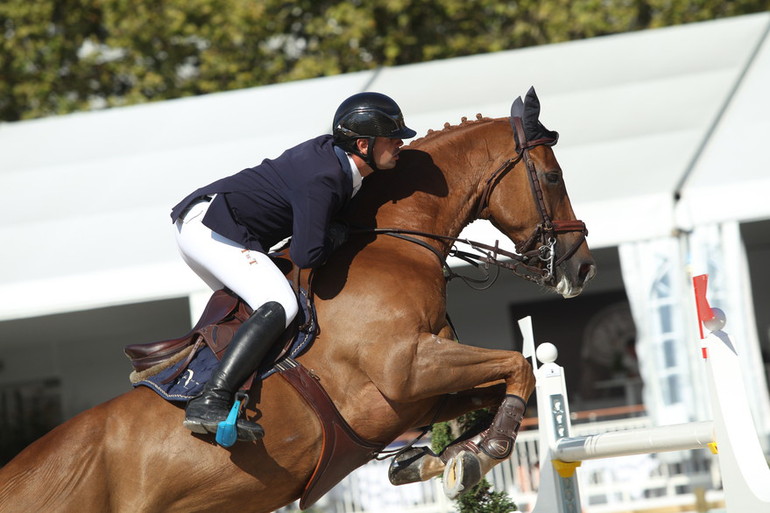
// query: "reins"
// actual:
[[487, 255]]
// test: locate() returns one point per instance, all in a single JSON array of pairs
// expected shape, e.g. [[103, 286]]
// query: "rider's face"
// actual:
[[385, 152]]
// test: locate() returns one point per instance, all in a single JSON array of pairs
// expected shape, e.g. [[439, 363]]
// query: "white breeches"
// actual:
[[221, 262]]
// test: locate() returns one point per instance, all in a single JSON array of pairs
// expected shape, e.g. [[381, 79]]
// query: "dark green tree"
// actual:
[[59, 56]]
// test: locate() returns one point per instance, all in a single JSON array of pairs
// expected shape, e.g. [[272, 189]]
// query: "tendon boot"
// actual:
[[244, 354]]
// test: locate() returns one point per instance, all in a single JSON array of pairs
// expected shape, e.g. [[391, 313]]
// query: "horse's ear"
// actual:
[[533, 128], [517, 111], [531, 105]]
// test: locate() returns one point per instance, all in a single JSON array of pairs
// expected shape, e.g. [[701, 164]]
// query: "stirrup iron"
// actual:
[[227, 430]]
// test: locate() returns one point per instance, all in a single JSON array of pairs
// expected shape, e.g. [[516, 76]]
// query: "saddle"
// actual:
[[221, 317], [158, 363]]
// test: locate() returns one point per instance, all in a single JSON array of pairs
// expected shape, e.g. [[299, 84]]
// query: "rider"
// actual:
[[225, 229]]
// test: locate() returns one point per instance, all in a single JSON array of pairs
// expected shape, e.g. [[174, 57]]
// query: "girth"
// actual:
[[342, 450]]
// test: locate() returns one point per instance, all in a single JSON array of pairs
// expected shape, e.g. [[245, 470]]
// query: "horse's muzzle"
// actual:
[[571, 284]]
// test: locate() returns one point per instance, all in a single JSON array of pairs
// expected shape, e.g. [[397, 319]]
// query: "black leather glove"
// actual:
[[337, 234]]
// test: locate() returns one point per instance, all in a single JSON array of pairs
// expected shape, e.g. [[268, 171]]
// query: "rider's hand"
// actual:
[[337, 234]]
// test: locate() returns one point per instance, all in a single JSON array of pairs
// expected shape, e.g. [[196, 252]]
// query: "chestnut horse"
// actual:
[[384, 353]]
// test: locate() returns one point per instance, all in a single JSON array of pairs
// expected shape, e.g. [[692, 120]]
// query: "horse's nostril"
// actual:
[[587, 271]]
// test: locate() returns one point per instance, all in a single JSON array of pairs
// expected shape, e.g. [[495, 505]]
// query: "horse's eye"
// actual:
[[553, 177]]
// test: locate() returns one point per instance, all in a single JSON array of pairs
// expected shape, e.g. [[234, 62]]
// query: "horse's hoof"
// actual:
[[405, 467], [462, 473]]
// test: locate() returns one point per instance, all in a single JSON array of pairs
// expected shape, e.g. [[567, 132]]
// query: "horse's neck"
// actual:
[[463, 159]]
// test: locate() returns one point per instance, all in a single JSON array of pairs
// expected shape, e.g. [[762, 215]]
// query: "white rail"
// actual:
[[680, 437]]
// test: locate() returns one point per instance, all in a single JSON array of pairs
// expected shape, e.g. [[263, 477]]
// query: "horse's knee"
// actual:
[[521, 381]]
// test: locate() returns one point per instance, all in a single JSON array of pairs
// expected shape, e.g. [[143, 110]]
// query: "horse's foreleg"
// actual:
[[468, 461], [468, 457], [434, 366], [453, 405], [460, 368], [420, 463]]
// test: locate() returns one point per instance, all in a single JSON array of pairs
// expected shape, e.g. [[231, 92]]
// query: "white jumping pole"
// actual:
[[745, 474], [678, 437]]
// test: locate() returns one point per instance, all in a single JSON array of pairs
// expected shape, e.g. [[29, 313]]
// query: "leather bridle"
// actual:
[[546, 232], [535, 258]]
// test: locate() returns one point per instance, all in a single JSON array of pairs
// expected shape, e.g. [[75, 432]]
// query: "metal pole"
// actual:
[[677, 437]]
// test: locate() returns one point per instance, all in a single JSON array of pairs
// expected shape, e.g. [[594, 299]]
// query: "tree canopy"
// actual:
[[60, 56]]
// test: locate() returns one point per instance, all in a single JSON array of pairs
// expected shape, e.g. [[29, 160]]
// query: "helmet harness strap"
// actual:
[[369, 157]]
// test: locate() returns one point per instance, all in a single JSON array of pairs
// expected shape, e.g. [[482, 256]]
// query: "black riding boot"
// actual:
[[244, 354]]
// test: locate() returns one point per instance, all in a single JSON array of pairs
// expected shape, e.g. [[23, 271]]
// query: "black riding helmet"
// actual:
[[368, 115]]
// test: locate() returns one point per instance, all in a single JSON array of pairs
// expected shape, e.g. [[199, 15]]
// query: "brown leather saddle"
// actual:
[[342, 449], [221, 318], [216, 327]]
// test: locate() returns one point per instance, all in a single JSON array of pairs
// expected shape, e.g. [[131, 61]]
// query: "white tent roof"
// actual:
[[84, 221], [731, 178]]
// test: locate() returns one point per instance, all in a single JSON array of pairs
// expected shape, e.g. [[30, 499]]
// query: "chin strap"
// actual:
[[367, 157]]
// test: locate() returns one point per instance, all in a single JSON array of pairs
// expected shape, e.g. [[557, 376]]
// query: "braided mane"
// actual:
[[464, 121]]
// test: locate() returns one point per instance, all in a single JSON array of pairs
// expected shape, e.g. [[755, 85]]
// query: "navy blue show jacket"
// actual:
[[297, 194]]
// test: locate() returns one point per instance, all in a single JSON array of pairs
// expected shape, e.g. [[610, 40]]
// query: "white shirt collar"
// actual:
[[356, 175]]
